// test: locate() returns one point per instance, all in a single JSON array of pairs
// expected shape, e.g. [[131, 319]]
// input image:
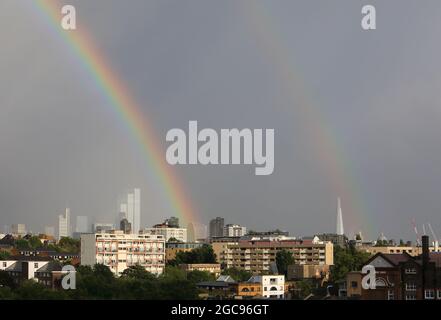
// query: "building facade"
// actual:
[[168, 233], [257, 256], [64, 226], [119, 251], [234, 230], [217, 227], [400, 276]]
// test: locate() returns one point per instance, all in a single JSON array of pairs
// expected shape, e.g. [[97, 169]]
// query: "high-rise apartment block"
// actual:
[[257, 255], [217, 227], [119, 251]]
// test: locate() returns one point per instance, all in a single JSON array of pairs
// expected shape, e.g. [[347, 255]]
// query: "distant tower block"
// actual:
[[340, 229]]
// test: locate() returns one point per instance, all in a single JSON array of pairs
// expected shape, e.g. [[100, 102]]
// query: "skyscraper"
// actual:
[[64, 229], [217, 227], [340, 229], [132, 209]]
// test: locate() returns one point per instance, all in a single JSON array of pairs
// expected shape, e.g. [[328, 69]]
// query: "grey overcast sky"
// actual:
[[356, 113]]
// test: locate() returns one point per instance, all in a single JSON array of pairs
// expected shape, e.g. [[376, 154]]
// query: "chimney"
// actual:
[[425, 242]]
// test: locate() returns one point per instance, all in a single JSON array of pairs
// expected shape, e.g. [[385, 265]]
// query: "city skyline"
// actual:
[[364, 127]]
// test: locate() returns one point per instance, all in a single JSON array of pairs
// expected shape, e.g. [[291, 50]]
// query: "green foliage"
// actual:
[[98, 282], [346, 260], [199, 276], [67, 244], [284, 258], [237, 274], [22, 244], [34, 242], [32, 290], [304, 288], [204, 254], [137, 272]]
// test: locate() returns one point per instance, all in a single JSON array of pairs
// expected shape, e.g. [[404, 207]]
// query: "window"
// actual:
[[4, 264], [390, 295], [36, 265], [411, 287], [429, 294], [410, 271], [439, 294], [354, 284], [410, 297]]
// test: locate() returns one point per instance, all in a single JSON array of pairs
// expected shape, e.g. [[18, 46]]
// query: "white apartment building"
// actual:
[[272, 286], [179, 234], [234, 230], [119, 251]]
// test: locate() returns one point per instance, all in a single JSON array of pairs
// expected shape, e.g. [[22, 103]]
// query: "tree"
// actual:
[[22, 244], [67, 244], [204, 254], [173, 239], [34, 242], [137, 272], [199, 276], [237, 274], [284, 258], [346, 260]]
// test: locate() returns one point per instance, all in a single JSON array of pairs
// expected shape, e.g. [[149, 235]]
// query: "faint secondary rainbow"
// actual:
[[124, 106], [327, 144]]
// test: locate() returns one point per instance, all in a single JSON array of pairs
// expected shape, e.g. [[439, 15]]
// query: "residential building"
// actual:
[[64, 226], [234, 230], [412, 250], [119, 251], [168, 233], [217, 227], [271, 286], [400, 276], [258, 254], [22, 268]]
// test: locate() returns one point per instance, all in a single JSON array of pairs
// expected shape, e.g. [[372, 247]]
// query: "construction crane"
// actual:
[[435, 238], [416, 232]]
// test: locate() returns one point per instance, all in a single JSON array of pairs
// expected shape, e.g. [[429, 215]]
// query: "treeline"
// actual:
[[98, 282]]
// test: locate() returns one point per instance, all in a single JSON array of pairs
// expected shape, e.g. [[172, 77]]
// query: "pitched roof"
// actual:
[[51, 266]]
